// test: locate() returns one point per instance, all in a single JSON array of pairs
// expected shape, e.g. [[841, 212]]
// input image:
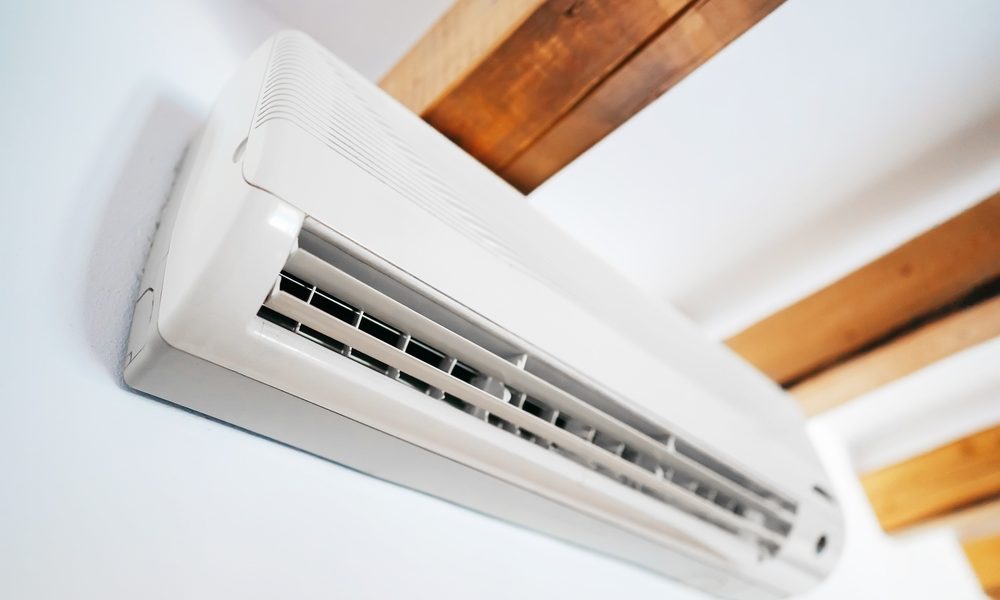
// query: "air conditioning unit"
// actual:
[[334, 274]]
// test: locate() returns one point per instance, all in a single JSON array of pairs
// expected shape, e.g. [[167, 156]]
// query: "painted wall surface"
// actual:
[[108, 494]]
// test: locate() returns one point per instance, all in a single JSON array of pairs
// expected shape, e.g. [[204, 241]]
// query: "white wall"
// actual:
[[109, 494]]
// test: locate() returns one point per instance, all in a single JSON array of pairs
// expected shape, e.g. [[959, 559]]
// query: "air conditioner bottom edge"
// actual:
[[238, 400]]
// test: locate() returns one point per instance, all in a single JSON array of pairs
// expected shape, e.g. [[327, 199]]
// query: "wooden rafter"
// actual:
[[899, 357], [918, 279], [957, 475], [526, 86], [984, 556]]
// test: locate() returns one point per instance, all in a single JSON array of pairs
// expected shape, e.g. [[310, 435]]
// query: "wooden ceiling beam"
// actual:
[[899, 357], [917, 280], [687, 43], [984, 556], [957, 475], [526, 86]]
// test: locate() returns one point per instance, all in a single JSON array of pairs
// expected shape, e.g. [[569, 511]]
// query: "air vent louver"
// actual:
[[331, 308]]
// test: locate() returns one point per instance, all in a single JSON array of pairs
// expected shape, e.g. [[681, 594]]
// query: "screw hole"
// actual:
[[820, 544]]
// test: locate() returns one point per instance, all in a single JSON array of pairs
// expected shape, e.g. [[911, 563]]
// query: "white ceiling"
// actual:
[[826, 135]]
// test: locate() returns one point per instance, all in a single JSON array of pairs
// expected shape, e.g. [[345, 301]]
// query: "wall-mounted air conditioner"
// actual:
[[334, 274]]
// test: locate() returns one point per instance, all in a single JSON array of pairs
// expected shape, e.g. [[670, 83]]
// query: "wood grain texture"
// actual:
[[900, 357], [546, 65], [924, 274], [693, 38], [974, 522], [984, 556], [526, 87], [453, 47], [957, 475]]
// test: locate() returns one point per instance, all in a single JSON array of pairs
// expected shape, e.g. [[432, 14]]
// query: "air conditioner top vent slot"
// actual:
[[304, 87]]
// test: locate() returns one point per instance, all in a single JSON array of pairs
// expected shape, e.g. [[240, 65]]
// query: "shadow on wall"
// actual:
[[163, 127]]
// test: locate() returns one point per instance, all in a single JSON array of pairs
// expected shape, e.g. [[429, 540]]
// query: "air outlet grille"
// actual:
[[333, 309]]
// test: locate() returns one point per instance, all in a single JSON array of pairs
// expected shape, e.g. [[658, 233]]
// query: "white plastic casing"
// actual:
[[298, 138]]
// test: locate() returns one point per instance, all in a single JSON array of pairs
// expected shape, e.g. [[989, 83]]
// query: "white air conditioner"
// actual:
[[334, 274]]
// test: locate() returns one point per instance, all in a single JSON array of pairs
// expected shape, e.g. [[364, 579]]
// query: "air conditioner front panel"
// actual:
[[513, 268], [267, 354]]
